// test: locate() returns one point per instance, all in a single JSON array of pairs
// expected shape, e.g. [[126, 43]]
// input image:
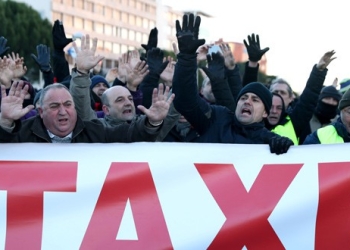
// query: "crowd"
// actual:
[[151, 97]]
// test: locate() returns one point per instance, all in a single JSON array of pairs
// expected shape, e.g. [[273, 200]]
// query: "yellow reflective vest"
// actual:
[[287, 130], [329, 135]]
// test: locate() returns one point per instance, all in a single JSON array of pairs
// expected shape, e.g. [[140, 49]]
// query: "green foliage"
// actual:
[[24, 29]]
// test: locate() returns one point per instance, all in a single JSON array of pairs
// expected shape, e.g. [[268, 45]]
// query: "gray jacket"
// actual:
[[80, 90]]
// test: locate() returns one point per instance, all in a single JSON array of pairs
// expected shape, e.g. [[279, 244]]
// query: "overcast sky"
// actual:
[[297, 32]]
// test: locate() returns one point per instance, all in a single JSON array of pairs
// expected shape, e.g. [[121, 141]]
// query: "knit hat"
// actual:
[[96, 80], [330, 91], [344, 85], [345, 100], [260, 90]]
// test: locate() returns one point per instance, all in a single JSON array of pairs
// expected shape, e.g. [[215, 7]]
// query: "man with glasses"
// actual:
[[337, 132]]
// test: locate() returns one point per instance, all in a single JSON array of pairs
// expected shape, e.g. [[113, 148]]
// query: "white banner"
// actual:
[[173, 196]]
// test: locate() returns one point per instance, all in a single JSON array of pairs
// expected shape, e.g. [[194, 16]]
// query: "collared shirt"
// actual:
[[57, 139]]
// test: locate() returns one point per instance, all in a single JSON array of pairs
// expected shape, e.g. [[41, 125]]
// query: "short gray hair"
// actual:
[[47, 88]]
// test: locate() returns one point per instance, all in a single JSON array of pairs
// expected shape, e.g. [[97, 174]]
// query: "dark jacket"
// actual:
[[33, 130], [215, 124], [339, 127]]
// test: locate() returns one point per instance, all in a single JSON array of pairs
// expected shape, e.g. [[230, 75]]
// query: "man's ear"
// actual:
[[40, 110], [265, 114], [105, 109]]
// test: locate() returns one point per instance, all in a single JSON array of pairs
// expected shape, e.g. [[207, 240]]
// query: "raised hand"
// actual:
[[6, 74], [202, 52], [11, 104], [133, 58], [168, 73], [17, 65], [228, 56], [3, 47], [59, 36], [187, 35], [112, 74], [86, 58], [43, 58], [216, 67], [255, 53], [152, 40], [155, 61], [160, 105], [326, 60], [136, 75], [124, 68]]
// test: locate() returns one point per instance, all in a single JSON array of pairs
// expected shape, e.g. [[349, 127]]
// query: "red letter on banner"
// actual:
[[25, 183], [247, 212], [332, 224], [125, 181]]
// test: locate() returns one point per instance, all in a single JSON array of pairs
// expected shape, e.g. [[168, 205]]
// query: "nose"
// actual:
[[62, 110]]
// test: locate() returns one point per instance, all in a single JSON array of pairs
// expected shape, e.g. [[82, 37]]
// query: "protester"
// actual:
[[337, 132], [117, 101], [58, 119], [217, 124], [294, 123]]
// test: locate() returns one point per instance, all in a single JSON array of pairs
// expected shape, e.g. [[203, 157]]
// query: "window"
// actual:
[[138, 5], [99, 27], [98, 9], [108, 46], [124, 17], [99, 45], [57, 16], [132, 19], [132, 35], [152, 24], [124, 49], [108, 63], [138, 21], [108, 29], [78, 23], [124, 34], [108, 12], [144, 38], [67, 20], [138, 37], [145, 23], [88, 25], [116, 15], [132, 3], [68, 3], [89, 6], [78, 4], [116, 48]]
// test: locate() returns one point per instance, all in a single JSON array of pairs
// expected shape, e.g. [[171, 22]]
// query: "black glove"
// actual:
[[155, 61], [187, 36], [3, 42], [253, 48], [43, 59], [216, 67], [280, 144], [152, 40], [59, 36]]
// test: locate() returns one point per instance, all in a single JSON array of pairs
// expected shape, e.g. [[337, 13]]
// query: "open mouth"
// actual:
[[246, 111], [63, 120], [128, 111]]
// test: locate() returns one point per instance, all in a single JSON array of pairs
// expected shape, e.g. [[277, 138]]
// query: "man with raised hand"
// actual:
[[217, 124], [58, 122]]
